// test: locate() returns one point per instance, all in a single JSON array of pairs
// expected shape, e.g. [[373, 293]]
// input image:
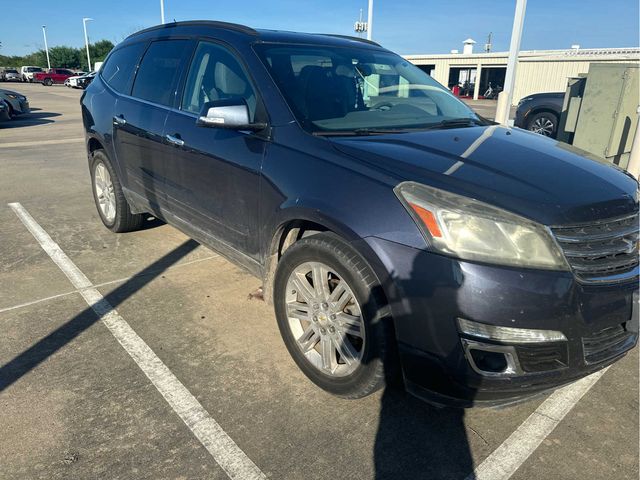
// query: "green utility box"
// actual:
[[599, 112]]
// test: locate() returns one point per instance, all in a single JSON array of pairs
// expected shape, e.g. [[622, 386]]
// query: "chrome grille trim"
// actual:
[[601, 251]]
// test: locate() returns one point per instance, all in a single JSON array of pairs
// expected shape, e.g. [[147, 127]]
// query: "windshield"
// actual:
[[34, 69], [342, 90]]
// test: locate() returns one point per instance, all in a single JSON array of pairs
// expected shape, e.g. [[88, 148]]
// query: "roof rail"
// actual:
[[206, 23], [349, 37]]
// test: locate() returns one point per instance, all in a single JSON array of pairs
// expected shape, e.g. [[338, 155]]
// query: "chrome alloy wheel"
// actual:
[[104, 192], [325, 319], [543, 126]]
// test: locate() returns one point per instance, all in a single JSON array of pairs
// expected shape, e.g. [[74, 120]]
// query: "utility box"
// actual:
[[599, 113]]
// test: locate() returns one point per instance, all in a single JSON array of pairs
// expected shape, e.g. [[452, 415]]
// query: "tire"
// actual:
[[120, 219], [544, 123], [375, 364], [47, 82]]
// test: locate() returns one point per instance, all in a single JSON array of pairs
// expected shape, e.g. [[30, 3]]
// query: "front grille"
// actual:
[[603, 249], [607, 344]]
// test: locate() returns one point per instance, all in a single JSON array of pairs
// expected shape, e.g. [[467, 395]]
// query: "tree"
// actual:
[[99, 50], [63, 56]]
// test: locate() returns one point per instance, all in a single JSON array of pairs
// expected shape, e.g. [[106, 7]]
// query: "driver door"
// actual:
[[212, 175]]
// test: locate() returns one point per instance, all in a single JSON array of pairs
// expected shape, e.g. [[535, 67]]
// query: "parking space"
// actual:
[[75, 404]]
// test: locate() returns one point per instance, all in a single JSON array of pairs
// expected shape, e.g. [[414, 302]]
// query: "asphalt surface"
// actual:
[[75, 405]]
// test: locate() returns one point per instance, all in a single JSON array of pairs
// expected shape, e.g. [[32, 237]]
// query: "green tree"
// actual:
[[63, 56], [99, 50]]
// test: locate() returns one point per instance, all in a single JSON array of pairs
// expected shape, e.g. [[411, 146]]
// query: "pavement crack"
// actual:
[[480, 436]]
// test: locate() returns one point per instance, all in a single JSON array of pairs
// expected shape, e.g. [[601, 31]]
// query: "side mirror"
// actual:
[[231, 113]]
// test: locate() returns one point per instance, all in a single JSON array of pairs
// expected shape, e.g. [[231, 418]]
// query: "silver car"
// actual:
[[11, 75], [17, 102]]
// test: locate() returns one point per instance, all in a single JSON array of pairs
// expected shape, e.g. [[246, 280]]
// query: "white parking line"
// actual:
[[514, 451], [224, 450]]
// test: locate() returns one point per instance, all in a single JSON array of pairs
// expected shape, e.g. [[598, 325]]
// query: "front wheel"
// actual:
[[544, 123], [110, 201], [332, 316]]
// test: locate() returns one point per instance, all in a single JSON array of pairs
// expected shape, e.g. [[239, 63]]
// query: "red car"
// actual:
[[53, 75]]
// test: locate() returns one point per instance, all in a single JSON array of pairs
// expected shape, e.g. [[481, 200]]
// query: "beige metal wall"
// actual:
[[537, 71]]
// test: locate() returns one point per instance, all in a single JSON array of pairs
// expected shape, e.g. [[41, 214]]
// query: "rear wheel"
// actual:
[[332, 317], [110, 201], [544, 123], [48, 82]]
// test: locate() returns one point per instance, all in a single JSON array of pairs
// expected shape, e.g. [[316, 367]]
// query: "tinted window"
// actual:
[[120, 66], [348, 89], [159, 71], [215, 74]]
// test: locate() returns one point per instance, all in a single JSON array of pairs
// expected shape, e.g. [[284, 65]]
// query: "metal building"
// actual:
[[538, 71]]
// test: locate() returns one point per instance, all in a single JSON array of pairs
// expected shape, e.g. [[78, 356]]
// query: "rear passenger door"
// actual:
[[213, 174], [140, 117]]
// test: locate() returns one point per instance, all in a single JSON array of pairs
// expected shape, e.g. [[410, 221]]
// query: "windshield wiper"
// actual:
[[359, 131], [456, 122]]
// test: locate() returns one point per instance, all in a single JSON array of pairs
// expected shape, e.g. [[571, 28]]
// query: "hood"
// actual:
[[531, 175], [10, 92]]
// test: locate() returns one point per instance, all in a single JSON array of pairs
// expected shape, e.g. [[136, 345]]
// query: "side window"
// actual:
[[120, 66], [215, 74], [159, 71]]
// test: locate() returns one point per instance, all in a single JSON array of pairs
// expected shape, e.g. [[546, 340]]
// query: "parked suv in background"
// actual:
[[53, 75], [540, 113], [391, 225], [10, 75], [27, 72]]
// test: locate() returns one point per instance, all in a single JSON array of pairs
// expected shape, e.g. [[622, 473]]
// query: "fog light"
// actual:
[[508, 334]]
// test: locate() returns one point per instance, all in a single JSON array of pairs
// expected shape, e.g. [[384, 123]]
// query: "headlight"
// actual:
[[472, 230], [12, 96]]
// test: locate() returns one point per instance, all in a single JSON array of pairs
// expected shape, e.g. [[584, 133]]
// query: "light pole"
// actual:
[[370, 20], [506, 96], [161, 11], [86, 40], [46, 47]]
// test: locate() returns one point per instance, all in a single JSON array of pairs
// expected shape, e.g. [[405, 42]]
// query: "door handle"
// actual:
[[174, 140], [119, 120]]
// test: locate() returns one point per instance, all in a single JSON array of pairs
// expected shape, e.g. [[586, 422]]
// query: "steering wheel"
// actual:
[[384, 106]]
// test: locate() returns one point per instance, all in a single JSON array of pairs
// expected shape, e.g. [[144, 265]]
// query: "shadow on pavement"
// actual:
[[30, 119], [20, 365]]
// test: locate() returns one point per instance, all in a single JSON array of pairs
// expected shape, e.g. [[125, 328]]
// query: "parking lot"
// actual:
[[201, 385]]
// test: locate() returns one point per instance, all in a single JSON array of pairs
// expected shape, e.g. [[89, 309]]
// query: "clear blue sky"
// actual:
[[406, 26]]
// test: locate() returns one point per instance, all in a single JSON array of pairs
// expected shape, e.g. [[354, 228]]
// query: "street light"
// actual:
[[161, 11], [86, 39], [370, 20], [46, 47], [505, 98]]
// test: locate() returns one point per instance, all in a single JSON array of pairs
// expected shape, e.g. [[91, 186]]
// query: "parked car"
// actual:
[[4, 112], [540, 113], [72, 82], [17, 103], [10, 75], [27, 72], [53, 75], [390, 225], [83, 82]]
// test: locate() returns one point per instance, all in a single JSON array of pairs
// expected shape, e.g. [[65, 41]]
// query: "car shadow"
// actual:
[[30, 119], [417, 440], [44, 348]]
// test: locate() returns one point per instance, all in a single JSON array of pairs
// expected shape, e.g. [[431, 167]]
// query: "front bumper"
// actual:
[[429, 292]]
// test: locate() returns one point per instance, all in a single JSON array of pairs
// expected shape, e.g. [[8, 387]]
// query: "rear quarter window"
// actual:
[[159, 71], [119, 68]]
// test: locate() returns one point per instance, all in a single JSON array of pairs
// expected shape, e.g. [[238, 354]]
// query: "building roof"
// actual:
[[585, 54]]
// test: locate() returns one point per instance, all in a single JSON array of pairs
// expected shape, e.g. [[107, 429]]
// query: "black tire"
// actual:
[[378, 361], [47, 82], [544, 123], [124, 220]]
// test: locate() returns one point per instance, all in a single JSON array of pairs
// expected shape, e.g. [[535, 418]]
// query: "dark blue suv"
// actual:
[[394, 230]]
